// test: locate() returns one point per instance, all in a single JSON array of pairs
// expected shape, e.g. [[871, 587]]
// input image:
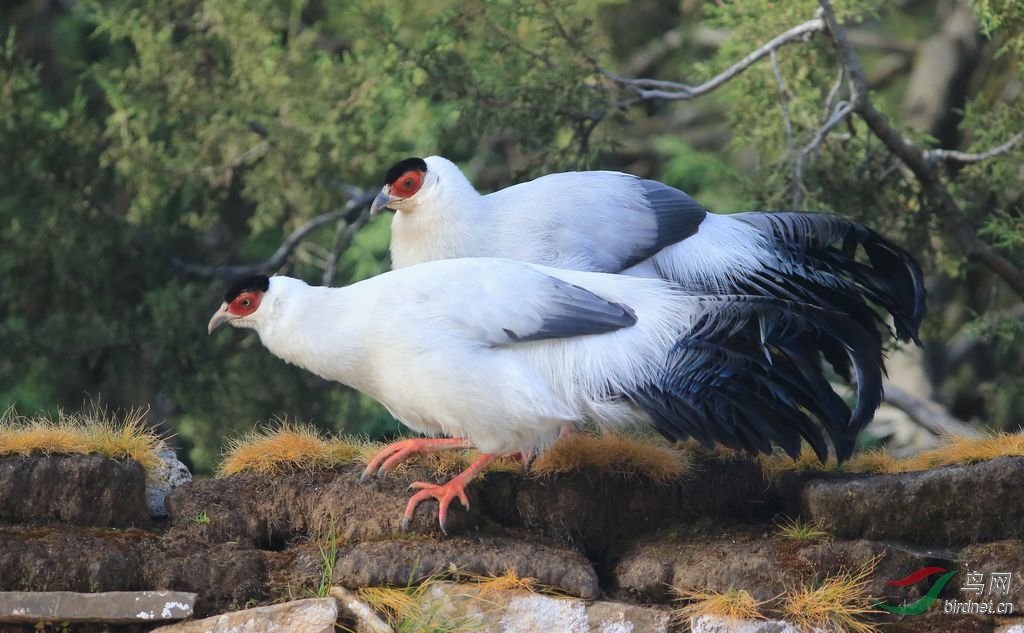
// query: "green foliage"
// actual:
[[136, 136], [206, 132], [851, 174], [704, 175], [1003, 19], [498, 67], [983, 182], [55, 298], [227, 102]]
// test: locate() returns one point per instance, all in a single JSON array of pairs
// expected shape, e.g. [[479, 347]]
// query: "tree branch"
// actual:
[[834, 114], [944, 206], [934, 155], [660, 47], [843, 110], [349, 213], [648, 89]]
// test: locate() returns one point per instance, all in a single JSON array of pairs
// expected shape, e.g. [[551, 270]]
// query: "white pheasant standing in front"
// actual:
[[499, 355]]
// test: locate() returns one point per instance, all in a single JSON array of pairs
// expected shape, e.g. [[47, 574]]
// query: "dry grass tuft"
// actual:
[[287, 448], [396, 605], [876, 462], [129, 438], [799, 530], [736, 604], [507, 582], [419, 609], [956, 451], [348, 451], [23, 436], [367, 451], [612, 453], [97, 433], [838, 603], [969, 450]]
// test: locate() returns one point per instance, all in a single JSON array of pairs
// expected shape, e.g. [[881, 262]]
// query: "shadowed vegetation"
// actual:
[[799, 530]]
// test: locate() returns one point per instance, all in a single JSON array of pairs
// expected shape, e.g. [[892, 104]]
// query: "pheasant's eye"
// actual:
[[245, 303], [407, 184]]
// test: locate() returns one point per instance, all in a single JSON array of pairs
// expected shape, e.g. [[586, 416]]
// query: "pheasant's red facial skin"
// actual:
[[407, 184], [245, 303]]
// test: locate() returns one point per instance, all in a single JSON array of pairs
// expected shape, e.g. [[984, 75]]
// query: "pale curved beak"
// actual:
[[220, 317], [382, 201]]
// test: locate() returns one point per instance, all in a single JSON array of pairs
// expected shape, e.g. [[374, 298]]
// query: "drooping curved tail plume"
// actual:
[[817, 252], [747, 375]]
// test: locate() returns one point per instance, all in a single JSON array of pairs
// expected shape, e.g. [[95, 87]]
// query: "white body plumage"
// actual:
[[438, 345]]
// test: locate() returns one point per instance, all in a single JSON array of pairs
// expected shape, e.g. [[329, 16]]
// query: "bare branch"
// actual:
[[927, 413], [648, 89], [934, 155], [843, 110], [833, 92], [350, 212], [660, 47], [941, 201], [833, 115]]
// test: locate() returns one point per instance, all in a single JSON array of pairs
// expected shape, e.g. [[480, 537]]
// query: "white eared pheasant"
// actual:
[[500, 355]]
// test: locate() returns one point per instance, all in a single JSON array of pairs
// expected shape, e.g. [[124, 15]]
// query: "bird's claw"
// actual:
[[444, 493]]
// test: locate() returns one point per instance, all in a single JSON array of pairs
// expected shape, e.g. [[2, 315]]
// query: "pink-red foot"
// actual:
[[395, 453], [444, 493]]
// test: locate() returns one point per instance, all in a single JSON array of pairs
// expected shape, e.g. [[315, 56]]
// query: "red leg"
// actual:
[[396, 452], [445, 493]]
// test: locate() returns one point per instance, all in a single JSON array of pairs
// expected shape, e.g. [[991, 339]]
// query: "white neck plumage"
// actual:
[[420, 234], [318, 329]]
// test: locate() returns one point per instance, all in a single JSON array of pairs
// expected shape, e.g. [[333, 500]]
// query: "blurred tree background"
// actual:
[[151, 150]]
